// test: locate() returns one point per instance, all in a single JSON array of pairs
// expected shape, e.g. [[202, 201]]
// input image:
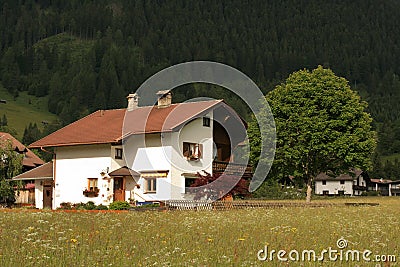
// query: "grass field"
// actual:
[[188, 238], [23, 110]]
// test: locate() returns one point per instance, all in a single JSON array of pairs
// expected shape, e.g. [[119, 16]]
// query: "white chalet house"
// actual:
[[141, 154], [344, 184]]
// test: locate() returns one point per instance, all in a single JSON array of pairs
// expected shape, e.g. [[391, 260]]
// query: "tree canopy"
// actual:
[[321, 126], [10, 166]]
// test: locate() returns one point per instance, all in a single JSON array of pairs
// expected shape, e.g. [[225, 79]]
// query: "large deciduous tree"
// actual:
[[321, 126]]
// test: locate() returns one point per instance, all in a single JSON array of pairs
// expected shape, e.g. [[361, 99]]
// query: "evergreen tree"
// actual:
[[4, 121]]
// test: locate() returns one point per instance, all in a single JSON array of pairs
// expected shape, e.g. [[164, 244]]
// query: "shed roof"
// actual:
[[42, 172]]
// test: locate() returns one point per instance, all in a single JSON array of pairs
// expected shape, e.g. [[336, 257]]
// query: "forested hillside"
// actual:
[[87, 55]]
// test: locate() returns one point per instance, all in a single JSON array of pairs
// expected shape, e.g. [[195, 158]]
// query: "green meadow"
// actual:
[[23, 110], [202, 238]]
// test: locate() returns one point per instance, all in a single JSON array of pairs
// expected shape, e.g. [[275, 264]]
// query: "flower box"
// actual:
[[91, 193]]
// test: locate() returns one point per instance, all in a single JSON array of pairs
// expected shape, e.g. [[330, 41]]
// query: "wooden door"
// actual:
[[119, 189], [47, 196]]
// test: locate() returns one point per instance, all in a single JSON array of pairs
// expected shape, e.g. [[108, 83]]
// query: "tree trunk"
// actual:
[[309, 190]]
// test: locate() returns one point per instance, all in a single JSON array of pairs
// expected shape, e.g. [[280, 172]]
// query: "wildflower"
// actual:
[[241, 239], [210, 239], [73, 240]]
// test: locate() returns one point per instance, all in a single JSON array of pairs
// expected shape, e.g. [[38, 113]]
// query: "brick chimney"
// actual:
[[133, 101], [164, 98]]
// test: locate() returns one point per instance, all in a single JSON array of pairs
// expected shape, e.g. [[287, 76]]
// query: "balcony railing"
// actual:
[[231, 168]]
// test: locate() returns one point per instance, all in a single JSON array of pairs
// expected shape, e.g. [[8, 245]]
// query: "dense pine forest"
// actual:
[[87, 55]]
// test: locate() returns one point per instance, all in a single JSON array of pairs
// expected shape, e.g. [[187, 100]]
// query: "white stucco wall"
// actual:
[[74, 165], [115, 163], [164, 152], [333, 187], [153, 157], [192, 132], [39, 194]]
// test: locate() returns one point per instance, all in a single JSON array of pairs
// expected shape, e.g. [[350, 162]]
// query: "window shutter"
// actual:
[[186, 149], [200, 150]]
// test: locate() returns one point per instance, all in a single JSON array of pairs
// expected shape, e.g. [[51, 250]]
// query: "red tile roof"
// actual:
[[42, 172], [106, 126], [102, 126], [30, 158]]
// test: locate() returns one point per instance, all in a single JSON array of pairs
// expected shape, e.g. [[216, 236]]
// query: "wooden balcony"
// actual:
[[231, 168]]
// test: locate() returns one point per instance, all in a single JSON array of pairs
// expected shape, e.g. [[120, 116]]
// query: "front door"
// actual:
[[119, 189], [47, 196]]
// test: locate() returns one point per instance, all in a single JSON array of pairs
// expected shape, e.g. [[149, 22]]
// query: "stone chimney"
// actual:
[[164, 98], [133, 101]]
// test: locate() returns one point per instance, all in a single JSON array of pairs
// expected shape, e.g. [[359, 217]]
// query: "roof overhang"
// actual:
[[32, 178], [190, 175], [154, 173], [124, 171], [43, 172]]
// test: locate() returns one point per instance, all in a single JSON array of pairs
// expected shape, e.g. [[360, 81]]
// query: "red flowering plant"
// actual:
[[217, 186]]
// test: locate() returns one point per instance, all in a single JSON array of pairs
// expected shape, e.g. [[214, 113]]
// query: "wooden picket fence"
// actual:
[[236, 204]]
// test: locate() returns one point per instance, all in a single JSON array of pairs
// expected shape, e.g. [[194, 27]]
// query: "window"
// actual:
[[323, 182], [188, 182], [342, 182], [150, 185], [92, 190], [192, 151], [118, 153], [206, 122], [92, 184], [150, 180]]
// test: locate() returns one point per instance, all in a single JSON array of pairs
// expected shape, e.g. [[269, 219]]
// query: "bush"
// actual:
[[101, 207], [90, 205], [85, 206], [65, 206], [120, 205], [273, 190], [371, 193], [151, 205], [82, 206]]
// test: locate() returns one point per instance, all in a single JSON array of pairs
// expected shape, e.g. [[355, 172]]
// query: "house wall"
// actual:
[[116, 163], [192, 132], [74, 165], [333, 187], [153, 140], [164, 152], [148, 158], [360, 181], [39, 194]]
